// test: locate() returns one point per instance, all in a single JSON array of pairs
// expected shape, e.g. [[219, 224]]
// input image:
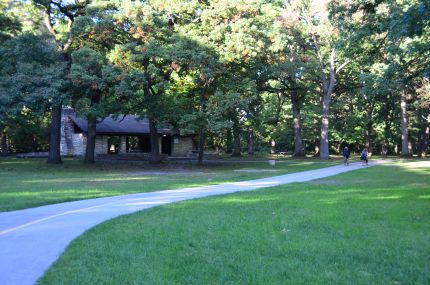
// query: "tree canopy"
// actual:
[[298, 76]]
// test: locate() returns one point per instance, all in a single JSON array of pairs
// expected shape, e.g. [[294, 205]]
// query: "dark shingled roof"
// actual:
[[128, 125]]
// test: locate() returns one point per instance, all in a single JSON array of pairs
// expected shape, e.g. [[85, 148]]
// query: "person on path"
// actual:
[[363, 157], [346, 153]]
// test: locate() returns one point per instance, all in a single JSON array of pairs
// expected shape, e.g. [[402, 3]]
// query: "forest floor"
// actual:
[[368, 226], [27, 183]]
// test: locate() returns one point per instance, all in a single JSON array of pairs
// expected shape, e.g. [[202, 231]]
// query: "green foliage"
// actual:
[[208, 66], [391, 58], [29, 132], [32, 78], [94, 78], [9, 23], [32, 72]]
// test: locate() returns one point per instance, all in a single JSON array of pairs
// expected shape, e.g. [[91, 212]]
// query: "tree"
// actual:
[[197, 85], [241, 33], [149, 58], [228, 109], [32, 74], [290, 73], [423, 106], [9, 27], [397, 32], [323, 39], [90, 72], [59, 18]]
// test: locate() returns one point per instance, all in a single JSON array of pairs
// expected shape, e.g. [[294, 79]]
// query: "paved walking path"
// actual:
[[32, 239]]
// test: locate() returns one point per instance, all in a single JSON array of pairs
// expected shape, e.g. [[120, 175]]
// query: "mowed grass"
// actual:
[[369, 226], [27, 183]]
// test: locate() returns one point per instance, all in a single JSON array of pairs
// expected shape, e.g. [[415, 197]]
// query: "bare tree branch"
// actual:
[[48, 22], [343, 65], [64, 10]]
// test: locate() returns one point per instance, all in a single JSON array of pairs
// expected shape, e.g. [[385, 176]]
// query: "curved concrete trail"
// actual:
[[32, 239]]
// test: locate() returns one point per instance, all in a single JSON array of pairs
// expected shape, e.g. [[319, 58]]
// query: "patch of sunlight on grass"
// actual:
[[14, 162], [417, 170], [330, 201], [393, 197], [334, 201], [343, 191], [71, 180], [57, 191], [411, 165], [424, 197], [234, 200], [420, 170]]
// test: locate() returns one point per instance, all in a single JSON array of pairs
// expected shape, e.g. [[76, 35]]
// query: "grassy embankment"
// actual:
[[364, 227]]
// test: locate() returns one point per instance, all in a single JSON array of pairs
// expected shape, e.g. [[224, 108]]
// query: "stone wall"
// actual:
[[74, 144], [71, 144], [182, 146], [123, 145], [101, 145]]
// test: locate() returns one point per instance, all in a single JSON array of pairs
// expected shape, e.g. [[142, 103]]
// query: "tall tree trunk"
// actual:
[[54, 155], [236, 140], [90, 151], [201, 146], [327, 88], [202, 131], [3, 143], [250, 141], [324, 144], [229, 142], [35, 144], [298, 152], [404, 125], [387, 124], [369, 130], [91, 140], [155, 149], [425, 137]]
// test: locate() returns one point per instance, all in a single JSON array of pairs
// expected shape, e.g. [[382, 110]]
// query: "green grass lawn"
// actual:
[[369, 226], [27, 183]]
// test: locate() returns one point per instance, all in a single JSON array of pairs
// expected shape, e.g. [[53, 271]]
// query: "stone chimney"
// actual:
[[68, 111]]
